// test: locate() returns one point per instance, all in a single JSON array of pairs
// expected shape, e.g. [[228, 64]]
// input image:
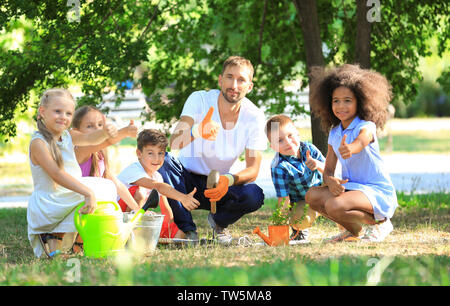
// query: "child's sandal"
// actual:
[[77, 247], [44, 238]]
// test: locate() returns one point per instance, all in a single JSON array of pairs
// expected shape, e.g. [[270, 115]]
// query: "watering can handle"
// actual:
[[77, 218]]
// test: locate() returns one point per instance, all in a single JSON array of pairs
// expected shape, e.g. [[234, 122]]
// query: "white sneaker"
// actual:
[[220, 234], [378, 232], [298, 237]]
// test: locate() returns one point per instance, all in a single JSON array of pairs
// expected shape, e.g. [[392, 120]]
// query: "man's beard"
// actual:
[[230, 100]]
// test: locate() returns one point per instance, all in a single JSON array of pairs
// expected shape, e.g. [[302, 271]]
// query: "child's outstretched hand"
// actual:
[[207, 129], [345, 149], [111, 130], [189, 202], [311, 163], [131, 129]]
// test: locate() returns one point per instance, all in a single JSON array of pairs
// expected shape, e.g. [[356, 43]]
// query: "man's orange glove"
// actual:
[[217, 193], [207, 129]]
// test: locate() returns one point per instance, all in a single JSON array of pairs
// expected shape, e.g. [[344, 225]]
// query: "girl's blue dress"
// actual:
[[365, 171]]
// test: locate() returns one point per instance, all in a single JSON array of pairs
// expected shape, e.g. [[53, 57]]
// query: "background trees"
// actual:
[[171, 48]]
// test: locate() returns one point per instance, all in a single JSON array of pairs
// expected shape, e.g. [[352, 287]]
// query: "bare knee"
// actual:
[[311, 195], [334, 208], [314, 197]]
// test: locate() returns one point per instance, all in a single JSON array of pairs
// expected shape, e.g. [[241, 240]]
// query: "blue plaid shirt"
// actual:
[[291, 177]]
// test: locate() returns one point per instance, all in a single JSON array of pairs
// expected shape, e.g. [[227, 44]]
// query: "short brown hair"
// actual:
[[238, 61], [151, 137], [278, 120]]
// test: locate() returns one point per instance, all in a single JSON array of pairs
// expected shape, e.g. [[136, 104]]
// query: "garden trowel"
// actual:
[[211, 182]]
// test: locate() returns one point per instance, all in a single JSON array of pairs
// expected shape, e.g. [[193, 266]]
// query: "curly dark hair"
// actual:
[[372, 90]]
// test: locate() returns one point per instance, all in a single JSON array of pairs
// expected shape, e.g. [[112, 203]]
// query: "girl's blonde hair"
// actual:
[[47, 97], [97, 156], [371, 89]]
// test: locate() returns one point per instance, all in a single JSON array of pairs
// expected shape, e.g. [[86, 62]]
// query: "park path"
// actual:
[[418, 173]]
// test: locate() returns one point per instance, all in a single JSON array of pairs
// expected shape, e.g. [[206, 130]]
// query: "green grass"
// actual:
[[409, 260], [427, 270], [431, 142], [432, 201], [416, 253]]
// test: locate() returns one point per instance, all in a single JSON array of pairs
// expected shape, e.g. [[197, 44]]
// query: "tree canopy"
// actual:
[[171, 48]]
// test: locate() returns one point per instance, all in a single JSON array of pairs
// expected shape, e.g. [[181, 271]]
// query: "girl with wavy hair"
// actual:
[[352, 103]]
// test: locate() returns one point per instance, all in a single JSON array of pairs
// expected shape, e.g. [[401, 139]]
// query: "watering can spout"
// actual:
[[266, 239]]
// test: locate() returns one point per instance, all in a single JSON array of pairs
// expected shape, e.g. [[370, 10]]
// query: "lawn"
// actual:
[[416, 253], [437, 142]]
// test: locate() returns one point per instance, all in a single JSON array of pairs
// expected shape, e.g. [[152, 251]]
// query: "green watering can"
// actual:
[[103, 232]]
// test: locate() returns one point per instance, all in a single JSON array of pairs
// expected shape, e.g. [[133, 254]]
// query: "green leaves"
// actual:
[[172, 48]]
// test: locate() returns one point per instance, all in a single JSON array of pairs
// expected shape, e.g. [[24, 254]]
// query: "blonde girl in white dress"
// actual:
[[58, 185]]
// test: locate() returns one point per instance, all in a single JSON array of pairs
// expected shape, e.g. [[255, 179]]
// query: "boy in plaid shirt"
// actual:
[[296, 167]]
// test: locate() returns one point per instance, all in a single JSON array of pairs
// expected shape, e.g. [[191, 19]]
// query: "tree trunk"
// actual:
[[309, 22], [363, 30]]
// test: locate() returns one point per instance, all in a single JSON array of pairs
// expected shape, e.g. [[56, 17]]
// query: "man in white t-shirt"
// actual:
[[215, 128]]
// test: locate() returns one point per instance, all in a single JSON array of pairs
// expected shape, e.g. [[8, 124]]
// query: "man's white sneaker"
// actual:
[[220, 234], [378, 232]]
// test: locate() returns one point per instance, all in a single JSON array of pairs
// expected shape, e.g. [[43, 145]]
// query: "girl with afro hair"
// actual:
[[352, 103]]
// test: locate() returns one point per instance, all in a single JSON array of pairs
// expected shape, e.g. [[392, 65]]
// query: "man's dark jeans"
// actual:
[[239, 200]]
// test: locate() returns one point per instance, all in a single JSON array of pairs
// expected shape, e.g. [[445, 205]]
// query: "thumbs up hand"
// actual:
[[207, 129], [109, 128], [310, 162], [335, 185], [131, 129], [345, 148], [188, 200]]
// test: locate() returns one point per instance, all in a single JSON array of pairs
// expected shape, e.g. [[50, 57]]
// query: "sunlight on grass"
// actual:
[[419, 249], [432, 142], [416, 253]]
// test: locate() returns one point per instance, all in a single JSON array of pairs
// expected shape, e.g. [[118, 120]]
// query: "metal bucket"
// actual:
[[145, 235]]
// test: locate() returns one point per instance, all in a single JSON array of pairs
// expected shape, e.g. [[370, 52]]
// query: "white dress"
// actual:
[[51, 207]]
